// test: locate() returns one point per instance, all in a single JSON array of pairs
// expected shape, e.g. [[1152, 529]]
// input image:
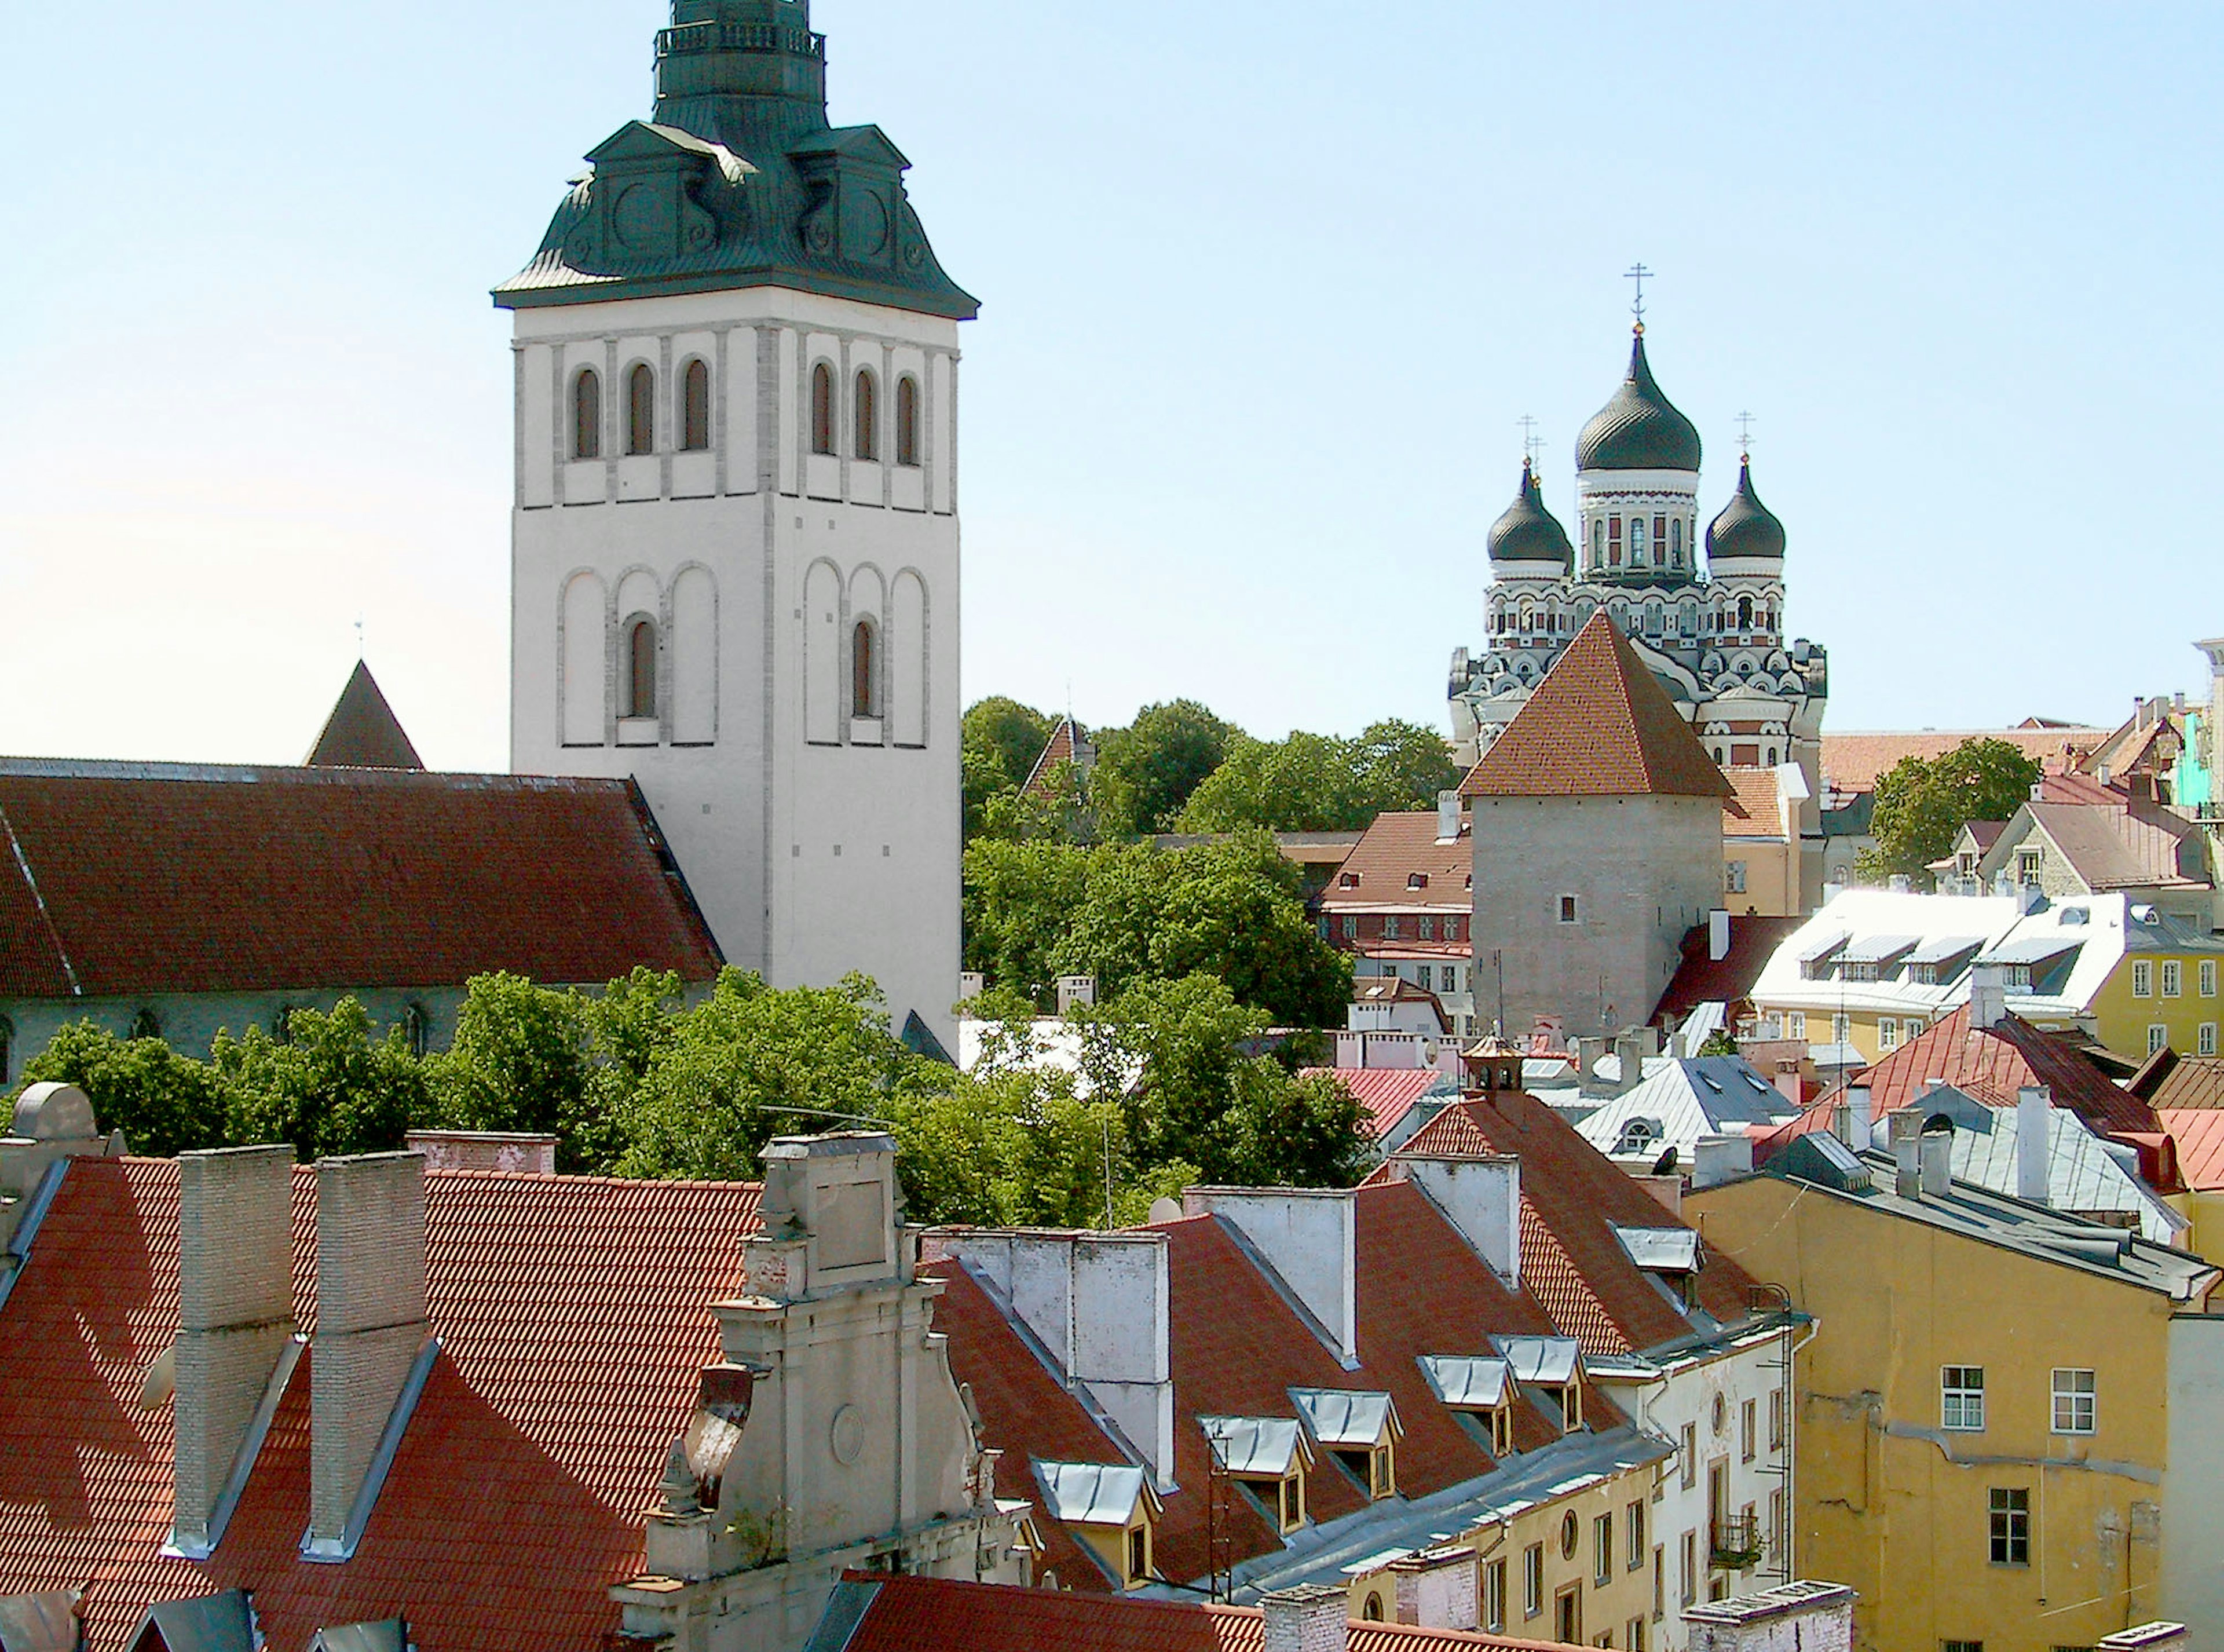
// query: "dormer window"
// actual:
[[1417, 880], [1552, 1369], [1112, 1509], [1266, 1457], [1360, 1430], [1480, 1391], [1347, 881]]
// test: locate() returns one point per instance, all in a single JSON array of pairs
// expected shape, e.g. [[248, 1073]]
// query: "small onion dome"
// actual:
[[1528, 532], [1639, 429], [1747, 528]]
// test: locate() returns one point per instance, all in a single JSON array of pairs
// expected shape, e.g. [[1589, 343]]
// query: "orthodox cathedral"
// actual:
[[1706, 616]]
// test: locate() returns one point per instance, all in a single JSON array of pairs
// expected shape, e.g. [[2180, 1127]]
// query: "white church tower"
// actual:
[[735, 547]]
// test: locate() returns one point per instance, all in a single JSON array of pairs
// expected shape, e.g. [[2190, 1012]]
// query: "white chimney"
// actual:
[[1448, 817], [235, 1343], [1862, 1102], [1075, 992], [1718, 936], [2034, 1126], [1311, 1617], [1989, 996], [1717, 1159], [1310, 1238], [1938, 1151], [1906, 1126], [1481, 1197], [372, 1350], [971, 985]]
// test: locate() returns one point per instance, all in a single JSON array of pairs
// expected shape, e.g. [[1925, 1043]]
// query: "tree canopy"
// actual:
[[1146, 772], [1922, 804], [1314, 783], [999, 742]]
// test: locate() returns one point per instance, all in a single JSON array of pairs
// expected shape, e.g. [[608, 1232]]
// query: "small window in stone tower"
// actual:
[[869, 417], [1745, 613], [862, 673], [695, 406], [822, 408], [640, 669], [1567, 909], [907, 422], [640, 409], [587, 414]]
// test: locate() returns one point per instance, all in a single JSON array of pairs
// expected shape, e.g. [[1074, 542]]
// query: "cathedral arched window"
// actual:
[[416, 1029], [869, 417], [862, 673], [1598, 543], [7, 1050], [1676, 543], [822, 408], [1745, 613], [640, 409], [640, 668], [587, 414], [907, 421], [1637, 541], [146, 1024], [695, 406]]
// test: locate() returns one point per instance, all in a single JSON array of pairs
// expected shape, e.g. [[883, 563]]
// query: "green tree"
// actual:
[[164, 1103], [326, 1089], [1146, 772], [1235, 910], [999, 742], [1922, 804], [1313, 782], [1019, 899], [522, 1062], [1400, 765]]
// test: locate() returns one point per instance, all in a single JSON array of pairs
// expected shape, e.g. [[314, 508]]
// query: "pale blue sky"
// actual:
[[1265, 288]]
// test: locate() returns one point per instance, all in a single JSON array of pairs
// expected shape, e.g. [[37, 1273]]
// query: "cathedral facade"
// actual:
[[735, 534], [1704, 611]]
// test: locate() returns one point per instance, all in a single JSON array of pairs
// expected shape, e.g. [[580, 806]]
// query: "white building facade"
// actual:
[[736, 538]]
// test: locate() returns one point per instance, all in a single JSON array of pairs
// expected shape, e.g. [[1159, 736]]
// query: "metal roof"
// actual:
[[1879, 949], [46, 1623], [1469, 1382], [2032, 949], [1347, 1417], [1815, 951], [1091, 1494], [388, 1634], [1550, 1361], [223, 1622], [1661, 1249], [1270, 1446], [1943, 949]]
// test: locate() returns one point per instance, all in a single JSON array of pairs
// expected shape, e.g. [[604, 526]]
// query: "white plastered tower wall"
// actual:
[[816, 841]]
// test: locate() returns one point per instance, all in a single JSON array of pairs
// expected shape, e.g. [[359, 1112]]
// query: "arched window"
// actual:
[[641, 410], [416, 1029], [695, 410], [1745, 613], [1372, 1612], [869, 417], [1598, 543], [1637, 541], [862, 671], [282, 1024], [146, 1024], [587, 414], [640, 668], [822, 408], [1675, 542], [907, 421]]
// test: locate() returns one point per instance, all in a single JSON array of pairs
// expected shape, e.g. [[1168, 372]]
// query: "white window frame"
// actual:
[[1887, 1033], [2173, 978], [1841, 1029], [2207, 978], [1570, 910], [1795, 1025], [2157, 1038], [2142, 978], [1961, 1399], [2205, 1041], [2075, 1393], [1733, 878]]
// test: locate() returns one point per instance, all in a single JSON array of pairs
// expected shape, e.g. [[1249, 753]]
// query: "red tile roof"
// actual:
[[1598, 725], [1729, 979], [1572, 1197], [1378, 873], [1388, 1093], [1758, 810], [121, 880], [1059, 748], [940, 1615], [1991, 1067], [1852, 761], [2199, 1133], [574, 1320]]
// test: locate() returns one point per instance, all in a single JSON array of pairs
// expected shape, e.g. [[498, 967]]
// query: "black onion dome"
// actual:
[[1528, 532], [1639, 429], [1745, 527]]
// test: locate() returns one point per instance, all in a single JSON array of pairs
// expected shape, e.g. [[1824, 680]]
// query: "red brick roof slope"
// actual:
[[1058, 748], [1729, 979], [1598, 725], [574, 1320], [1391, 852], [1572, 1198], [1388, 1093], [1757, 808], [1026, 1411], [262, 880], [1852, 761], [2199, 1135], [942, 1614]]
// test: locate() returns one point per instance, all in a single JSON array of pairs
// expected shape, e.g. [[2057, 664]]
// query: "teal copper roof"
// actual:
[[1528, 532], [1745, 527], [738, 181], [1639, 428]]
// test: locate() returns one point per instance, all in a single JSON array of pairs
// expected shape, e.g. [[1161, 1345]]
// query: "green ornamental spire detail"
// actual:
[[739, 181]]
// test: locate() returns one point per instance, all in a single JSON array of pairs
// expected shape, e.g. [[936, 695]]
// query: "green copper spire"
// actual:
[[727, 65]]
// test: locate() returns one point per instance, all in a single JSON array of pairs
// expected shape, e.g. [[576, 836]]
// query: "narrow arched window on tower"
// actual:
[[641, 410], [1637, 541], [1745, 613], [695, 398], [863, 670], [822, 408], [1598, 543], [869, 417], [1676, 543], [640, 668], [587, 414], [907, 421]]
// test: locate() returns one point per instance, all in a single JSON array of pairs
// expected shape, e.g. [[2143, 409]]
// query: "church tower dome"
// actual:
[[1530, 535], [1746, 530], [1639, 428]]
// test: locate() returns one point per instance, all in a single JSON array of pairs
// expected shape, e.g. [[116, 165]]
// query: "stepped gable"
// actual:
[[363, 732], [1598, 725]]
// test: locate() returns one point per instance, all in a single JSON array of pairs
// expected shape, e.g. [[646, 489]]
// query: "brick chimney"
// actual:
[[235, 1346], [1310, 1617], [1436, 1588], [372, 1350]]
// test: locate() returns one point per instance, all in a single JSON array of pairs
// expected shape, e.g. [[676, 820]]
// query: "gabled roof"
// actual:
[[1066, 744], [125, 879], [1686, 1097], [574, 1320], [363, 732], [1729, 979], [1598, 725], [1572, 1198], [1388, 1093], [1759, 809], [2199, 1133], [1852, 761], [2109, 846], [1378, 874], [2187, 1082]]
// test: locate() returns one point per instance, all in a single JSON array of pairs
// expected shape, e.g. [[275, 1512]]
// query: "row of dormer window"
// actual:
[[639, 411]]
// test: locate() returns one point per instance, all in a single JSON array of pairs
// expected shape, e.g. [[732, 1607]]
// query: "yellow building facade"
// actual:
[[2159, 997], [1983, 1437]]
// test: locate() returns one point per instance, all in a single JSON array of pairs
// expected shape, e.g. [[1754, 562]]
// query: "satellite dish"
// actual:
[[1165, 1210]]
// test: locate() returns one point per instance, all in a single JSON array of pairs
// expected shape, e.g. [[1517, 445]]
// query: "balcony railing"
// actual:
[[714, 36], [1734, 1542]]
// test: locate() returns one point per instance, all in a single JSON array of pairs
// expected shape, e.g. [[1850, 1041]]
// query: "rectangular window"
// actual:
[[1688, 1585], [1138, 1555], [1350, 928], [1428, 929], [1776, 1420], [1776, 1522], [2011, 1527], [1841, 1029], [1424, 977], [1633, 1522], [1795, 1025], [1960, 1646], [1659, 1583], [1602, 1550], [2072, 1400], [2027, 865], [1887, 1033], [2158, 1039], [1493, 1595], [2207, 978], [1567, 909], [1961, 1398], [1689, 1468], [1749, 1430], [1389, 929], [1733, 878], [2173, 977], [2205, 1041], [1635, 1635], [1532, 1580], [2142, 978]]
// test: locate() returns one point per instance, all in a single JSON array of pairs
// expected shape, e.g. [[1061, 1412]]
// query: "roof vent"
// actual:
[[2073, 917], [1417, 880]]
